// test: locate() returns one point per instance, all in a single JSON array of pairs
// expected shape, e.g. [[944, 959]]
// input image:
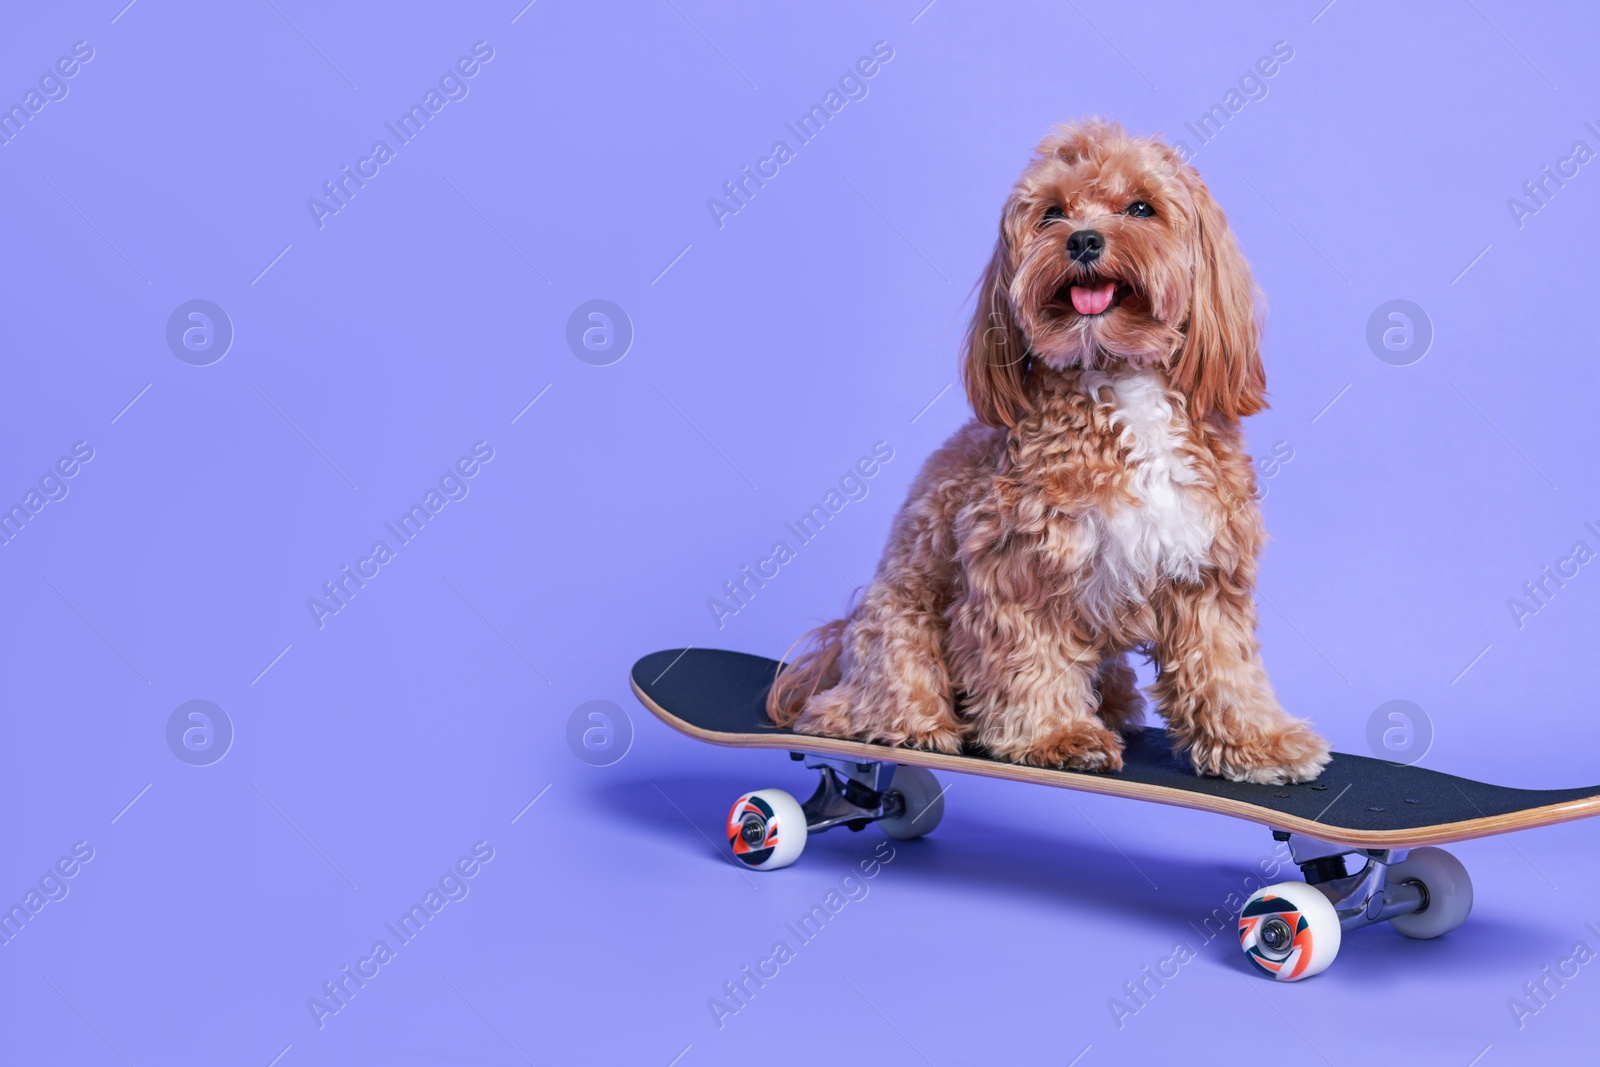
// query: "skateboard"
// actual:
[[1387, 816]]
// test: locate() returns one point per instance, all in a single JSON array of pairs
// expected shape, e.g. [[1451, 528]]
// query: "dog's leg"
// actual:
[[894, 687], [1030, 685], [1213, 689], [1121, 704], [1037, 706], [894, 684]]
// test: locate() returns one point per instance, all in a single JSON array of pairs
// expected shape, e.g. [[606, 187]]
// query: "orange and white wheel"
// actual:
[[1289, 931], [767, 829]]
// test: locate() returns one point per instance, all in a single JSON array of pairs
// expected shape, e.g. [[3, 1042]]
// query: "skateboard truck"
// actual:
[[1368, 896], [905, 802], [849, 793]]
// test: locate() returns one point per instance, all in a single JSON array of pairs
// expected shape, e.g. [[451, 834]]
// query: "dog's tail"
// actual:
[[815, 669]]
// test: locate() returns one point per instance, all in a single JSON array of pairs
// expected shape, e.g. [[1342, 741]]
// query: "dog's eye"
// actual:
[[1139, 210], [1054, 212]]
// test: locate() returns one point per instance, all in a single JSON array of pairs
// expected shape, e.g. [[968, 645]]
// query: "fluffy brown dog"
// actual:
[[1101, 502]]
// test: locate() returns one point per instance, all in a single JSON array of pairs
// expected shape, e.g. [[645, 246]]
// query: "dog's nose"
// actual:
[[1085, 246]]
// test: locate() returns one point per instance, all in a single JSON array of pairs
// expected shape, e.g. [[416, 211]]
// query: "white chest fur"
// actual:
[[1168, 533]]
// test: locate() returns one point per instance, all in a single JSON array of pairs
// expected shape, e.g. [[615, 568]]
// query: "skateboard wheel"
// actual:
[[767, 829], [1289, 931], [1449, 891], [924, 802]]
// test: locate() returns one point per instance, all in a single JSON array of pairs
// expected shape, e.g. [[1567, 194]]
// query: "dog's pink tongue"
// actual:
[[1092, 301]]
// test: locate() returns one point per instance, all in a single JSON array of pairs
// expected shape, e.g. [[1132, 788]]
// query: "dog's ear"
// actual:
[[994, 359], [1219, 367]]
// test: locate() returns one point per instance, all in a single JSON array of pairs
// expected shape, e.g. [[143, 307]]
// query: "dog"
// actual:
[[1100, 503]]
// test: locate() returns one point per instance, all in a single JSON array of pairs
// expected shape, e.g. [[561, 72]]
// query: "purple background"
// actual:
[[769, 354]]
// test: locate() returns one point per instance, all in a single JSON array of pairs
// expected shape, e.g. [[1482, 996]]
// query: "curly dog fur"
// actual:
[[1101, 502]]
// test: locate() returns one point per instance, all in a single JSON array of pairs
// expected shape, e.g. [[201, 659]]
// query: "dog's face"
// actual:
[[1112, 251], [1100, 243]]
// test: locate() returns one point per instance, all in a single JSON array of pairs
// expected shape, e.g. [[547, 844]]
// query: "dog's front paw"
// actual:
[[1293, 752], [1081, 745]]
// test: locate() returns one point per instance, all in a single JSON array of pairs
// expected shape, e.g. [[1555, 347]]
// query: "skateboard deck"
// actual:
[[1358, 801]]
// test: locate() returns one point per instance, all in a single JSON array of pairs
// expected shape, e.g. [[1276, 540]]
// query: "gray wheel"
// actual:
[[1449, 891], [924, 801]]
